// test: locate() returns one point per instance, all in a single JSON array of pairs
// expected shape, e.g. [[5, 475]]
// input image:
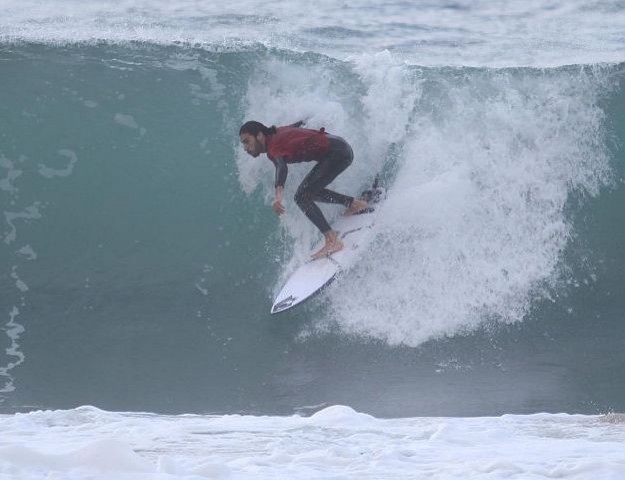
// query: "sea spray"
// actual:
[[475, 223]]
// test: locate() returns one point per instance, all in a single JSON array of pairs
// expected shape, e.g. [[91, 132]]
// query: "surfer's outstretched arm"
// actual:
[[281, 173]]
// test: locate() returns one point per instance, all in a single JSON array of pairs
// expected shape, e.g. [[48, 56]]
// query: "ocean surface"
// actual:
[[481, 336]]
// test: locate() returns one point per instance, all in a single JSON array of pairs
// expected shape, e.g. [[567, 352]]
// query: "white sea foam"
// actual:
[[66, 171], [12, 174], [483, 164], [29, 213], [125, 120], [336, 442], [475, 224], [28, 252], [13, 330]]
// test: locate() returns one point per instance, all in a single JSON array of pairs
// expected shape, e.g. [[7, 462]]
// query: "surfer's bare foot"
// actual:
[[356, 206], [333, 245]]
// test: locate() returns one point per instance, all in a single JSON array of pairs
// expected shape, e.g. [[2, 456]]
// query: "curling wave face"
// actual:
[[138, 241]]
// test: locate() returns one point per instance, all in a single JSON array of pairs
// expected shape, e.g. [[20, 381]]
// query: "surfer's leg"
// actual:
[[328, 196], [332, 245], [340, 153], [313, 188], [308, 191], [353, 205], [356, 206]]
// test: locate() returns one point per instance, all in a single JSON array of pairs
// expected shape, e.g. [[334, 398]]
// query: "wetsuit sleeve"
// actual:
[[281, 172]]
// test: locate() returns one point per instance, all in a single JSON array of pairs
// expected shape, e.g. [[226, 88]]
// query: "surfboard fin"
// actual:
[[375, 193]]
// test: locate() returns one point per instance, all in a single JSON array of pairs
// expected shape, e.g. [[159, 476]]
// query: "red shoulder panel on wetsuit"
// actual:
[[297, 144]]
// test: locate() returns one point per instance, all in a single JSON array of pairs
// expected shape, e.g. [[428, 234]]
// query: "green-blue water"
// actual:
[[140, 256]]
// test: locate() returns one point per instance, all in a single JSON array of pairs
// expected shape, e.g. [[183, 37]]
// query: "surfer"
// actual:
[[293, 144]]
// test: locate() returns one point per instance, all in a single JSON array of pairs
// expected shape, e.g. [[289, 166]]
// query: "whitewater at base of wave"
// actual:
[[336, 443]]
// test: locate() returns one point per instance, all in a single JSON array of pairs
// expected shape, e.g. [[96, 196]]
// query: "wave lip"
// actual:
[[537, 34]]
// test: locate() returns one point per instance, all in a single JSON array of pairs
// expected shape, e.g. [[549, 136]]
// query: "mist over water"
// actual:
[[140, 255]]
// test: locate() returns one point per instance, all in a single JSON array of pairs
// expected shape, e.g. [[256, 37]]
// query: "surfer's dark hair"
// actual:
[[254, 128]]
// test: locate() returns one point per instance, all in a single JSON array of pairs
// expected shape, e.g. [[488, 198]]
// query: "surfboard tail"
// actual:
[[375, 194]]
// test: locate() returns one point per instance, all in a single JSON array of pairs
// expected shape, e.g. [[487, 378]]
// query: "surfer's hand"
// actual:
[[277, 207]]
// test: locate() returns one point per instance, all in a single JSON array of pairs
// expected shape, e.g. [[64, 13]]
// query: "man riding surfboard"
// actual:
[[292, 144]]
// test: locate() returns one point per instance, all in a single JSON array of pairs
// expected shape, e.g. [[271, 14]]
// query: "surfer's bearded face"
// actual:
[[253, 145]]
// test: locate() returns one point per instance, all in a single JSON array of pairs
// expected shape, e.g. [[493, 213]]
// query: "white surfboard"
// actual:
[[356, 232]]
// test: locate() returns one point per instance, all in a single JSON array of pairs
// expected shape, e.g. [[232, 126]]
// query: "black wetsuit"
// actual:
[[333, 154], [313, 187]]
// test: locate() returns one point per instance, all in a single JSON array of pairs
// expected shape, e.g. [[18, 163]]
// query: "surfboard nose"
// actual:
[[311, 277], [283, 304]]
